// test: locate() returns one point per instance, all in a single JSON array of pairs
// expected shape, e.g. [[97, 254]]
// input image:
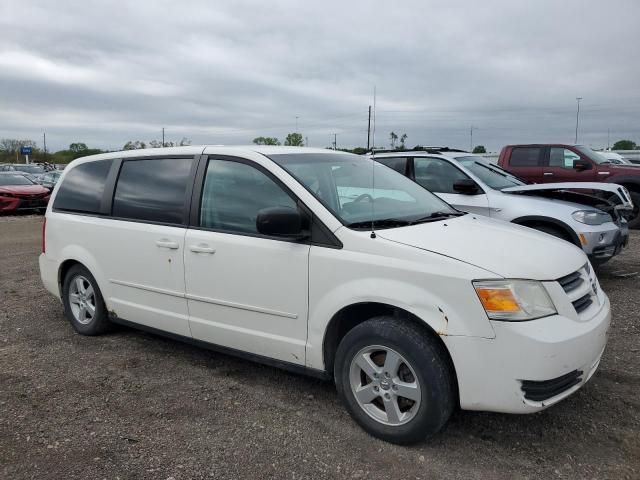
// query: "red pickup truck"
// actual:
[[544, 163]]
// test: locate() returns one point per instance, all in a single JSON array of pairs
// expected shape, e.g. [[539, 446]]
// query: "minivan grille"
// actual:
[[581, 288], [571, 281], [539, 391], [582, 303]]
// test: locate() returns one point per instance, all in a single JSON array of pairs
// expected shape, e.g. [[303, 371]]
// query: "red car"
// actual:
[[18, 192], [544, 163]]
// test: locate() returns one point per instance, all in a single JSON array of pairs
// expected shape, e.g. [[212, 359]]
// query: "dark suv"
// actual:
[[544, 163]]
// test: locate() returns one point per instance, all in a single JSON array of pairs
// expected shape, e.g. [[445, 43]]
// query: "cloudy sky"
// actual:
[[105, 72]]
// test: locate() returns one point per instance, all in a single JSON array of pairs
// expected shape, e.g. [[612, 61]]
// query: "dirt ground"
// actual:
[[132, 405]]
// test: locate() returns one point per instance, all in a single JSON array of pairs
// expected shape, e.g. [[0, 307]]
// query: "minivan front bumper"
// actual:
[[531, 365]]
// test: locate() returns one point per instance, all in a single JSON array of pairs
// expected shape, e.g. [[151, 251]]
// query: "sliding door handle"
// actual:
[[164, 243], [202, 248]]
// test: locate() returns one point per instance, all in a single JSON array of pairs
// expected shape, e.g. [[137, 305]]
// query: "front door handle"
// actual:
[[548, 174], [202, 248], [164, 243]]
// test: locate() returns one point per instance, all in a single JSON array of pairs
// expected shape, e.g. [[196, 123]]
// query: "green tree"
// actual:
[[267, 140], [134, 145], [294, 140], [479, 149], [394, 138], [78, 147], [624, 145]]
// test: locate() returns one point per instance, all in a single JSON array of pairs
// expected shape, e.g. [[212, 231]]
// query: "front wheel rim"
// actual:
[[82, 300], [385, 385]]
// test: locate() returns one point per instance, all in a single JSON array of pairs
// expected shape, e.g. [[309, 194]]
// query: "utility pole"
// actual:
[[335, 141], [471, 138], [369, 129], [306, 141], [163, 137], [44, 141], [577, 117], [608, 139], [297, 124]]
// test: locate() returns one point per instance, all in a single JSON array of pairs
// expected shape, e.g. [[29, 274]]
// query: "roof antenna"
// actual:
[[373, 166]]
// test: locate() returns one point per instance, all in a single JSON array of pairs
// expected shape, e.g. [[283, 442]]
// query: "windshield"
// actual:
[[493, 176], [344, 183], [592, 154], [11, 179]]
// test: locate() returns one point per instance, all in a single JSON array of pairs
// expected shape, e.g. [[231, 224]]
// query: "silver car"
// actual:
[[473, 184]]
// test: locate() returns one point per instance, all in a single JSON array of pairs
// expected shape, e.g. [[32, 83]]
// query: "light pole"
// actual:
[[297, 124], [577, 117]]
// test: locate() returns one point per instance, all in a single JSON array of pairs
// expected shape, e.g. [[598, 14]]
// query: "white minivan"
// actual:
[[329, 264]]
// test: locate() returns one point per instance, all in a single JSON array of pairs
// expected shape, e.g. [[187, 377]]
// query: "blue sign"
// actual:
[[25, 150]]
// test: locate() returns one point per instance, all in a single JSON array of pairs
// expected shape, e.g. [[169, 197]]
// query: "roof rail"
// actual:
[[417, 149]]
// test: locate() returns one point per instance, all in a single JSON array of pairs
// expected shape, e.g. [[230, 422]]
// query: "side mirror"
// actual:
[[280, 222], [466, 186], [581, 165]]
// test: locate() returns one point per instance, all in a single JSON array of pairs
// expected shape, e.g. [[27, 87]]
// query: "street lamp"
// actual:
[[577, 118]]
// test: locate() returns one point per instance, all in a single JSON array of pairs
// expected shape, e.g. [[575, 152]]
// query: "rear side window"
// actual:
[[399, 164], [82, 187], [152, 190], [525, 157]]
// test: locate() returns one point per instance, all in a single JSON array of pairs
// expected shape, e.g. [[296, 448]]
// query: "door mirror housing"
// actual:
[[280, 222], [466, 186], [581, 165]]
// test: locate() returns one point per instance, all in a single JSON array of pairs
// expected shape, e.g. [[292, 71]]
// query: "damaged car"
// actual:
[[593, 218]]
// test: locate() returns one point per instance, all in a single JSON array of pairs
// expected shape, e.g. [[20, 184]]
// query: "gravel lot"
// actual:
[[132, 405]]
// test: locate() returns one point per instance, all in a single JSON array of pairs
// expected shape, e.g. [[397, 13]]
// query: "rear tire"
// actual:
[[83, 303], [395, 380]]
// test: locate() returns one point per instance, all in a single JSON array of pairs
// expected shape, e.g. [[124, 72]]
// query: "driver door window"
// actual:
[[234, 193], [562, 157], [437, 175]]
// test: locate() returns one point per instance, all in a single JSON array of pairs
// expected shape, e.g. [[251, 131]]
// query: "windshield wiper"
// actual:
[[435, 216], [382, 223]]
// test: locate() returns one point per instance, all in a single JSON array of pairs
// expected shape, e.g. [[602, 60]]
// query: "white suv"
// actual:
[[329, 264]]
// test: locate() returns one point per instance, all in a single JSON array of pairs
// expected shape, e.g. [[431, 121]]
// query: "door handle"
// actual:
[[164, 243], [202, 248], [548, 174]]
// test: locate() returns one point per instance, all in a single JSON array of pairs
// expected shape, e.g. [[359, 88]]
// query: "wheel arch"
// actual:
[[352, 315], [532, 220]]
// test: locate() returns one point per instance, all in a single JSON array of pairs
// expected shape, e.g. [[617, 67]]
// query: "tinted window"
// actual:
[[525, 157], [153, 190], [83, 186], [562, 157], [397, 163], [233, 195], [437, 175]]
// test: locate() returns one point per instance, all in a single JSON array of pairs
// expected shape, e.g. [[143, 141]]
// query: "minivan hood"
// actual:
[[502, 248]]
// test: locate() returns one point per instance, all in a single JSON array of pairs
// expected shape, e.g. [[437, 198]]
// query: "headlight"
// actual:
[[514, 300], [591, 217]]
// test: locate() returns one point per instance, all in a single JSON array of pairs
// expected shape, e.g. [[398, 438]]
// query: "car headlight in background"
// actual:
[[591, 217], [514, 300]]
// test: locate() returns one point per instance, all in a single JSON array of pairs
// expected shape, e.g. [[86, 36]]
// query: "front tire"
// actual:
[[395, 380], [83, 303]]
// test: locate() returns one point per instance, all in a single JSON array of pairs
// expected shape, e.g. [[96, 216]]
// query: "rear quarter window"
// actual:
[[525, 157], [153, 190], [82, 188]]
